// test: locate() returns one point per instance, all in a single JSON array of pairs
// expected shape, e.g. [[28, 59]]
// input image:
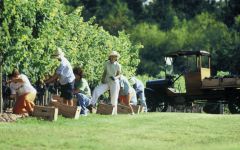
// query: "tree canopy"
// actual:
[[31, 30]]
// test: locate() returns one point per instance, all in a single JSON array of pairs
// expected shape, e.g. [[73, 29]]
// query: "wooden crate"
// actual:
[[54, 103], [123, 109], [106, 109], [59, 99], [67, 111], [137, 109], [228, 81], [45, 112], [210, 83]]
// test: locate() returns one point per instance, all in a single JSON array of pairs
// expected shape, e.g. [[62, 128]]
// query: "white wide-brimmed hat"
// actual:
[[132, 80], [114, 53], [58, 53]]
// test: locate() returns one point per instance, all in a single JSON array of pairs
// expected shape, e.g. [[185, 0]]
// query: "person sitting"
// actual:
[[23, 92], [110, 81], [82, 91], [127, 95], [139, 88]]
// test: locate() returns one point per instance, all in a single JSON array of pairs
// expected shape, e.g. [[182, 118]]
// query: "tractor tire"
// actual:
[[211, 108], [234, 106]]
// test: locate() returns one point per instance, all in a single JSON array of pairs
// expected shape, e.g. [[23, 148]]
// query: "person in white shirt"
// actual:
[[66, 77], [110, 81], [23, 91]]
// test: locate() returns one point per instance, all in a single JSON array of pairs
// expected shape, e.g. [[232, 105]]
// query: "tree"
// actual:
[[151, 55], [31, 30], [206, 33], [161, 12], [231, 10]]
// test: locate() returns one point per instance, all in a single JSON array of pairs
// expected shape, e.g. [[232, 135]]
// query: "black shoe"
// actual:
[[90, 108]]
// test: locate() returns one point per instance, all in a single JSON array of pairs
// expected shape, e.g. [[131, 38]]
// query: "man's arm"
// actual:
[[51, 79]]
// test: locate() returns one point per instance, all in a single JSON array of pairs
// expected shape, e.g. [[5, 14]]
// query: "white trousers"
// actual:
[[114, 88]]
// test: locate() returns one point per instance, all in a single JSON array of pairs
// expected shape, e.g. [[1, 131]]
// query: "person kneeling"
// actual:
[[82, 91], [23, 91], [127, 95]]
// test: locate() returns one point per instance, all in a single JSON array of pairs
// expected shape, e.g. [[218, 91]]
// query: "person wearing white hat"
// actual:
[[139, 88], [110, 81], [65, 75]]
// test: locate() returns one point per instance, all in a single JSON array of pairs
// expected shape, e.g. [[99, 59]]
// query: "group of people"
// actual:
[[72, 83]]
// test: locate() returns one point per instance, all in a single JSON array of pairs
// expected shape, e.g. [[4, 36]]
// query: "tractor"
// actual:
[[200, 86]]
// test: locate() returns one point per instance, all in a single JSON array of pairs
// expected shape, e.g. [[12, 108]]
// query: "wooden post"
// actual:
[[1, 97]]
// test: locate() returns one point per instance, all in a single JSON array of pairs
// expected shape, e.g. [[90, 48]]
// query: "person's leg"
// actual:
[[129, 96], [67, 93], [70, 102], [24, 104], [114, 91], [99, 90], [143, 100], [133, 99], [29, 102], [83, 101], [19, 107], [62, 90]]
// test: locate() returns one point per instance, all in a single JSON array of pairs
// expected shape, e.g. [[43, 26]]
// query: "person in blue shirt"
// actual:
[[127, 95], [139, 88], [66, 77]]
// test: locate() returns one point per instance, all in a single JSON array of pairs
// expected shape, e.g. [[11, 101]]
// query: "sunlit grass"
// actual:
[[165, 131]]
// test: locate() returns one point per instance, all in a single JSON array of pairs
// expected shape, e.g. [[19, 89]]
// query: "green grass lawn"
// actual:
[[159, 131]]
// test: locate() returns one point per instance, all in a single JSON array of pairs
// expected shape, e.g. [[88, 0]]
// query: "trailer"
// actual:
[[200, 86]]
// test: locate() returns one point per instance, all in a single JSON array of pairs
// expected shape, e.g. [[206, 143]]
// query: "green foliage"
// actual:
[[213, 36], [164, 26], [203, 32], [222, 73], [180, 85], [144, 78], [31, 31], [117, 18], [152, 39]]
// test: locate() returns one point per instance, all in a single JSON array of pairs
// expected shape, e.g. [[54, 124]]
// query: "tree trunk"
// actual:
[[1, 97]]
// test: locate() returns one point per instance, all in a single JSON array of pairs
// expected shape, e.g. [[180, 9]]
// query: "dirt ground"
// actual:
[[9, 117]]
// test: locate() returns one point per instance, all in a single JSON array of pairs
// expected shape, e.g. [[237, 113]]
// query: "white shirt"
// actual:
[[65, 72], [21, 88], [111, 70]]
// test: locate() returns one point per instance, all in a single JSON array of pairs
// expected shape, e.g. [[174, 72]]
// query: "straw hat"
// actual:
[[132, 80], [58, 53], [114, 53]]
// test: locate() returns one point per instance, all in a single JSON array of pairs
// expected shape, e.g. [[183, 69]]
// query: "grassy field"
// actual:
[[151, 131]]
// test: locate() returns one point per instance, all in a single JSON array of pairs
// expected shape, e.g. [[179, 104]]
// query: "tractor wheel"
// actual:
[[161, 106], [234, 106], [212, 108], [151, 105], [157, 104]]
